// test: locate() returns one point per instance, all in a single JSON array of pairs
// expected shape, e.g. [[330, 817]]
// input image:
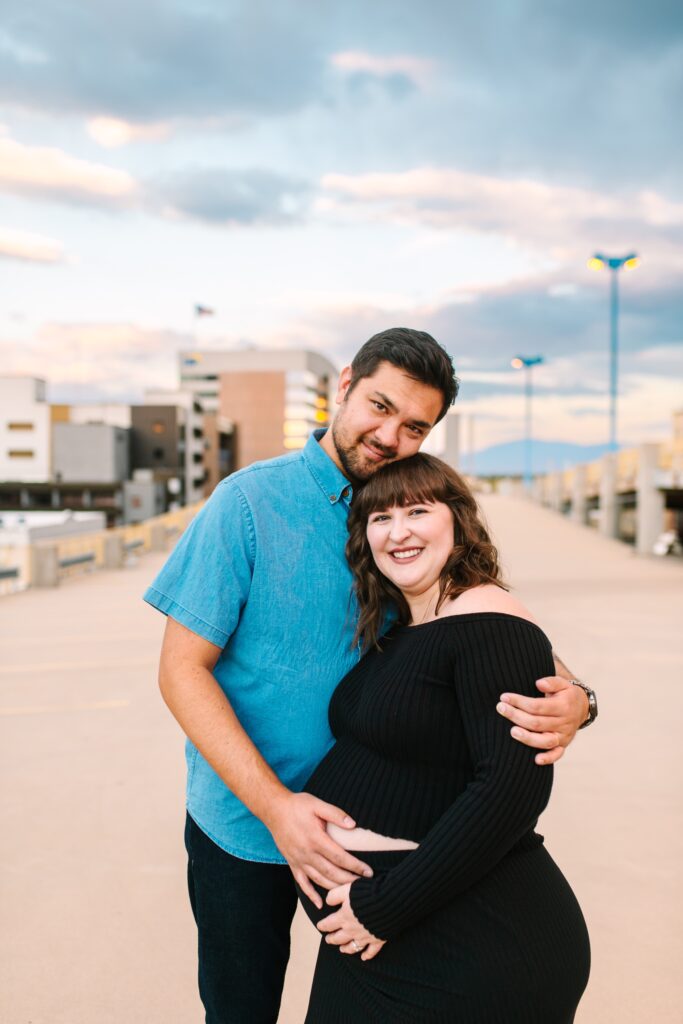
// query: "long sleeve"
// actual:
[[501, 803]]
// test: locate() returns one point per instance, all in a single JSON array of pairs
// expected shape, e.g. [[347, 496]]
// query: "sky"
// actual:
[[315, 172]]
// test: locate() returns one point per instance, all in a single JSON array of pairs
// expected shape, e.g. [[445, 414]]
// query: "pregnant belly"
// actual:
[[366, 839]]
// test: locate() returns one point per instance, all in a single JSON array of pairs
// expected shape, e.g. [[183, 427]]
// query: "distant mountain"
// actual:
[[547, 457]]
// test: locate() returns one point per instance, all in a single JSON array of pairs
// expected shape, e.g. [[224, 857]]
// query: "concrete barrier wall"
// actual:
[[46, 562], [623, 493]]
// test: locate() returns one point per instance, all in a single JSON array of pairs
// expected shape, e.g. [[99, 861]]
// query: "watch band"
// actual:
[[592, 702]]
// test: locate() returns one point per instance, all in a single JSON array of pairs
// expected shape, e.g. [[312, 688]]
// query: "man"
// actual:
[[259, 633]]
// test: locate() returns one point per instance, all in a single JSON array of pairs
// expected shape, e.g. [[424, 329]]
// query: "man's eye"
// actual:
[[415, 430], [379, 405]]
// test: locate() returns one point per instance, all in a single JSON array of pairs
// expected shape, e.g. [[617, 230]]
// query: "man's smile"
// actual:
[[376, 454]]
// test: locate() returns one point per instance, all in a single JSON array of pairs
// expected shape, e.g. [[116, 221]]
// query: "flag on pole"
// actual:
[[203, 311]]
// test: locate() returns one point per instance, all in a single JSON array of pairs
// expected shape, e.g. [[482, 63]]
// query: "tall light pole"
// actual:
[[614, 264], [526, 363]]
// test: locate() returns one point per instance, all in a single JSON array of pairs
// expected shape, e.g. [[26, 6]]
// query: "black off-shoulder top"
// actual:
[[421, 753]]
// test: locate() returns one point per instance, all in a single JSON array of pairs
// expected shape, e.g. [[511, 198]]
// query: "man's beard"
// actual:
[[355, 468]]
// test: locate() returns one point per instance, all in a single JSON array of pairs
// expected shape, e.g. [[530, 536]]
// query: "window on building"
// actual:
[[158, 454], [20, 426], [21, 453], [158, 427]]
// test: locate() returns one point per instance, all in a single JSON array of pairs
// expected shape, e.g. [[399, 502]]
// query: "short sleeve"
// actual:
[[206, 579]]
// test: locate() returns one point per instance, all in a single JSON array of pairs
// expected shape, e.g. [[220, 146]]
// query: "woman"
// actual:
[[467, 919]]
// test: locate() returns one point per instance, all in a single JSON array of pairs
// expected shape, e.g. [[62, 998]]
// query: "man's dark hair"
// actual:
[[416, 353]]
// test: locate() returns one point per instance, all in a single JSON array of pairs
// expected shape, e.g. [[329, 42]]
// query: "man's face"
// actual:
[[385, 417]]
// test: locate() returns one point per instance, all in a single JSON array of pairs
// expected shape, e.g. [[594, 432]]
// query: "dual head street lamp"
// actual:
[[614, 265], [526, 363]]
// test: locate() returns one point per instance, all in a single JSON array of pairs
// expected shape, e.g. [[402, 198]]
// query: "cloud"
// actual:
[[563, 91], [181, 60], [112, 132], [357, 60], [50, 173], [590, 92], [96, 361], [399, 75], [530, 211], [213, 195], [231, 197], [29, 248]]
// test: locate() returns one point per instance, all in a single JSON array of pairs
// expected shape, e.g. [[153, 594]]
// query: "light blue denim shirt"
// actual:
[[261, 573]]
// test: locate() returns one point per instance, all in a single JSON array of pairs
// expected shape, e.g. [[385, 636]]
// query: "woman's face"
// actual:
[[411, 545]]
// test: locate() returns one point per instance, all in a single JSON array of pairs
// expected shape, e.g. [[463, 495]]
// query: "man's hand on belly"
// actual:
[[297, 823]]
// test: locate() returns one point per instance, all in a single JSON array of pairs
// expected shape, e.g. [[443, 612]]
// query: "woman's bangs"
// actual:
[[412, 481]]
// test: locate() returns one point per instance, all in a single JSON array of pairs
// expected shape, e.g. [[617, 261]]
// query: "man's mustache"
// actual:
[[388, 453]]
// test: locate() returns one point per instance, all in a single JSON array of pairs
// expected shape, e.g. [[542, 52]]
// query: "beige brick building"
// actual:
[[273, 399]]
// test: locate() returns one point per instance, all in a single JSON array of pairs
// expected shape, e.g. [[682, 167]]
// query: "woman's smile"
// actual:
[[406, 554]]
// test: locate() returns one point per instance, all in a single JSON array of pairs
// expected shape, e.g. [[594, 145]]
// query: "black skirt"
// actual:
[[512, 949]]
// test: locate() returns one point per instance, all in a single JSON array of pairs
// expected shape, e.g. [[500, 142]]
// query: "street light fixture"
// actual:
[[614, 265], [526, 363]]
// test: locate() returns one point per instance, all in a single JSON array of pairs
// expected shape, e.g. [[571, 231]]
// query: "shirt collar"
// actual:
[[326, 474]]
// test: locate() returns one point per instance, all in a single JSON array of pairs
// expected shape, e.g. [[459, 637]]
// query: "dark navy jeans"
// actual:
[[244, 912]]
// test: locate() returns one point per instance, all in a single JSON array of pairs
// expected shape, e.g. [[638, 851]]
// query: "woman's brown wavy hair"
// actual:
[[473, 560]]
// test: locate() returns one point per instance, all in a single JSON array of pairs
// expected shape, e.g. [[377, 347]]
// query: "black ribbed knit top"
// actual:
[[421, 753]]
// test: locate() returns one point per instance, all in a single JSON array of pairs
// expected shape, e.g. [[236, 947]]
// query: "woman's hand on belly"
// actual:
[[343, 928]]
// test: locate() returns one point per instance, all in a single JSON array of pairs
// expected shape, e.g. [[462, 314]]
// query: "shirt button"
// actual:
[[333, 497]]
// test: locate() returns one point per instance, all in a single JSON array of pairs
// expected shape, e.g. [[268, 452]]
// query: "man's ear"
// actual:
[[343, 385]]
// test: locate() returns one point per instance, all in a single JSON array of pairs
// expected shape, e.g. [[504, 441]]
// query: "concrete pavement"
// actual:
[[95, 923]]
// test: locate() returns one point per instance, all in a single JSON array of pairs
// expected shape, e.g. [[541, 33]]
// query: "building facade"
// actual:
[[157, 443], [272, 399], [24, 430], [94, 453], [192, 445]]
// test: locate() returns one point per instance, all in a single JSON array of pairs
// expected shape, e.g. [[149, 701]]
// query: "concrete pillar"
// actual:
[[24, 498], [54, 498], [650, 500], [157, 537], [44, 565], [451, 453], [607, 520], [87, 498], [555, 491], [578, 513], [113, 551], [537, 489]]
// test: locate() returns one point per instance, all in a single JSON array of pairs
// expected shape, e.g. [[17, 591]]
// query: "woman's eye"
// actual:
[[417, 511], [379, 519]]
